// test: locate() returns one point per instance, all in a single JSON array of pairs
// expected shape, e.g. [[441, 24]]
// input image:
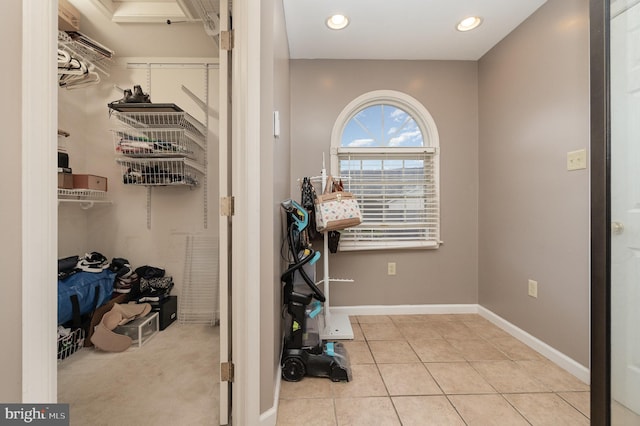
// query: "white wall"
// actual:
[[120, 229]]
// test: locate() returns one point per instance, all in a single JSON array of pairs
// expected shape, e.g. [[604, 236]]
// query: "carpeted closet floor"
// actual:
[[171, 380]]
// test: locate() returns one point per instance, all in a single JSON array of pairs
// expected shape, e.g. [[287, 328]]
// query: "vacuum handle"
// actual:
[[297, 213]]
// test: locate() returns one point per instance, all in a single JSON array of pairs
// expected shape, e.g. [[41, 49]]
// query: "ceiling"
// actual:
[[139, 28], [401, 29], [397, 29]]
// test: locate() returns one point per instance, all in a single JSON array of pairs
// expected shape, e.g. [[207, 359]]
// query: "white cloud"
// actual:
[[407, 138], [361, 142], [398, 115]]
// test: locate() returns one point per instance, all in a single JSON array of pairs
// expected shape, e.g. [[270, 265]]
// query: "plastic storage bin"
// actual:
[[141, 329]]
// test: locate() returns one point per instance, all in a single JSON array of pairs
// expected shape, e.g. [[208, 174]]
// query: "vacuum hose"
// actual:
[[298, 266]]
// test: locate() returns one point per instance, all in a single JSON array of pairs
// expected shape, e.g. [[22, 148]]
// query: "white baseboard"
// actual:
[[558, 358], [405, 309], [269, 417]]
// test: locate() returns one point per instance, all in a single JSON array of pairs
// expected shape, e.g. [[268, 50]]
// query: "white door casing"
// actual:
[[39, 201], [225, 221]]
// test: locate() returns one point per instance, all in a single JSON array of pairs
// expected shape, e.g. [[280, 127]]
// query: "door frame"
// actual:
[[225, 222], [245, 240], [600, 214], [40, 207], [39, 201]]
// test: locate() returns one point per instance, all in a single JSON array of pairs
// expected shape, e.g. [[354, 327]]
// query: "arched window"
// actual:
[[385, 143]]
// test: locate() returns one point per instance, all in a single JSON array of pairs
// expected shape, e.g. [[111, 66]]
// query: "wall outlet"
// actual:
[[577, 160], [391, 268], [533, 288]]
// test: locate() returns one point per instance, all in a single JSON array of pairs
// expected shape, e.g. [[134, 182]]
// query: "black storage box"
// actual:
[[63, 159], [167, 309]]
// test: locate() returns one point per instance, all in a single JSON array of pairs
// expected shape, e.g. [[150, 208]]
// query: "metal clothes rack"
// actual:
[[336, 325]]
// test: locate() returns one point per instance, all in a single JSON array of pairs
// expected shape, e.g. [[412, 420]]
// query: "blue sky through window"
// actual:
[[382, 126]]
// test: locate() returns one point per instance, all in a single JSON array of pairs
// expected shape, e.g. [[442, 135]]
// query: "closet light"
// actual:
[[467, 24], [337, 22]]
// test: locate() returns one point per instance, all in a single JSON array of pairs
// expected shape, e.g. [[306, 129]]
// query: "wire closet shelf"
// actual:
[[81, 195], [159, 171], [156, 142], [84, 49], [155, 120]]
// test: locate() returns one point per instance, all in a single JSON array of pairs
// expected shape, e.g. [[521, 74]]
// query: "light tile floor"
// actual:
[[622, 416], [437, 370], [171, 380]]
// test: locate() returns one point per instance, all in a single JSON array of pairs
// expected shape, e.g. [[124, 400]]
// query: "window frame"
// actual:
[[431, 146]]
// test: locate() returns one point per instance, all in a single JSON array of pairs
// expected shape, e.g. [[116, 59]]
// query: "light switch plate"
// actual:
[[533, 288]]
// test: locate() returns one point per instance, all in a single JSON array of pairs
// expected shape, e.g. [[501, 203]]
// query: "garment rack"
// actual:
[[336, 325]]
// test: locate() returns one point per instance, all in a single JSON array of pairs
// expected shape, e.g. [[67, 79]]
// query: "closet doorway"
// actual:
[[98, 106]]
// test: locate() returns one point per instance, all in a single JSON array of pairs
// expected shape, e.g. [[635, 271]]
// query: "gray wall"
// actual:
[[320, 89], [10, 210], [533, 213], [274, 183]]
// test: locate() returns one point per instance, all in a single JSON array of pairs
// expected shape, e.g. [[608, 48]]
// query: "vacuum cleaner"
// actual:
[[304, 353]]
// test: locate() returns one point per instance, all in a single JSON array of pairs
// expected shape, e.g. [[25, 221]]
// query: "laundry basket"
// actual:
[[70, 344]]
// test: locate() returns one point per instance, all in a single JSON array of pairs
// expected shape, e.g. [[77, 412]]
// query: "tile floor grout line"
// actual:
[[383, 382], [335, 409], [456, 409], [570, 403], [516, 408]]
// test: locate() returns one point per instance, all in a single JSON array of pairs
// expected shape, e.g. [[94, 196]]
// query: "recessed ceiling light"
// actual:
[[337, 22], [469, 23]]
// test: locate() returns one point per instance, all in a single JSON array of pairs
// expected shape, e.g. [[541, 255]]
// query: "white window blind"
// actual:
[[397, 191]]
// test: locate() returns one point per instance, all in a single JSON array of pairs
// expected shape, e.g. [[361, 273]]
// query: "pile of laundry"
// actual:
[[143, 284], [93, 262]]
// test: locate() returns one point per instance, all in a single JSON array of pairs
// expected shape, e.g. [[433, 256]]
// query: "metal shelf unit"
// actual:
[[160, 148]]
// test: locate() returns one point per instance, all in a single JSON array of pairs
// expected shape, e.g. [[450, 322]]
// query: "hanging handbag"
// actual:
[[334, 236], [336, 210], [307, 200]]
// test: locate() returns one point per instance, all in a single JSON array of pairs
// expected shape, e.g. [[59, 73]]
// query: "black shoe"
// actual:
[[139, 96]]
